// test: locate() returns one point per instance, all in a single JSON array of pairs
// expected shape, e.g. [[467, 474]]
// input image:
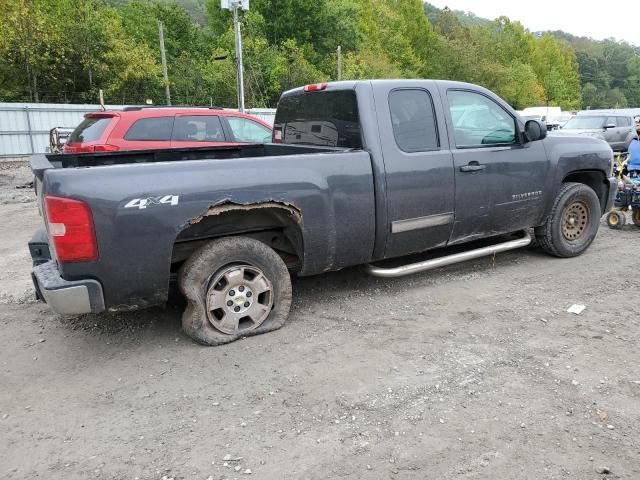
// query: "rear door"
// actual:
[[418, 166], [499, 179], [198, 131], [145, 133]]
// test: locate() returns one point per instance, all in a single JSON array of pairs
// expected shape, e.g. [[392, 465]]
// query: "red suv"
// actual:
[[140, 128]]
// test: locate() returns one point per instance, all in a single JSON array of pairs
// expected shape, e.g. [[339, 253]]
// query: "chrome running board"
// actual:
[[448, 259]]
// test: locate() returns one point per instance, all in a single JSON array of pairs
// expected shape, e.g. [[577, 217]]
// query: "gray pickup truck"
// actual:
[[358, 172]]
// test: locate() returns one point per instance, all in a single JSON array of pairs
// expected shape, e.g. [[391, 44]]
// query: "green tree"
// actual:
[[369, 64], [521, 87], [591, 98], [632, 83], [557, 70], [30, 45]]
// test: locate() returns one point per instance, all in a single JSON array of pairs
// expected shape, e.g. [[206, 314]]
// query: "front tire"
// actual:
[[573, 222], [235, 287]]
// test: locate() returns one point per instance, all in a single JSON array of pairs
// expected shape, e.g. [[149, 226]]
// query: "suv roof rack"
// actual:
[[144, 107]]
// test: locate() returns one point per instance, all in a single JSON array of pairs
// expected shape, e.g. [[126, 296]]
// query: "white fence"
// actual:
[[24, 127]]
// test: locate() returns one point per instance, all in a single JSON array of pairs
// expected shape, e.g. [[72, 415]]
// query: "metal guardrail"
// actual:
[[24, 127]]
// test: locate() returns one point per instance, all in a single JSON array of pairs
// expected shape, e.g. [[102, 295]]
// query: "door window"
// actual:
[[198, 128], [149, 129], [478, 121], [624, 122], [413, 121], [245, 130], [612, 121]]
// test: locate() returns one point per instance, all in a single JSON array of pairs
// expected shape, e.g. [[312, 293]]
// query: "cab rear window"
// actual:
[[325, 118], [90, 130]]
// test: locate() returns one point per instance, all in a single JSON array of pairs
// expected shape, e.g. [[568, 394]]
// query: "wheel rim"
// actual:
[[239, 299], [575, 221], [613, 219]]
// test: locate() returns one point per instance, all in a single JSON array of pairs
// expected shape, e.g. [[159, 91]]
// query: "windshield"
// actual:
[[328, 118], [585, 122]]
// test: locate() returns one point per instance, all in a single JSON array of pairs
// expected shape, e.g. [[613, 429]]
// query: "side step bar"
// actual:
[[448, 259]]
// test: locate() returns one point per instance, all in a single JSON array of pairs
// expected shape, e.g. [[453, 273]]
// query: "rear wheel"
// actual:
[[635, 216], [573, 222], [616, 219], [235, 287]]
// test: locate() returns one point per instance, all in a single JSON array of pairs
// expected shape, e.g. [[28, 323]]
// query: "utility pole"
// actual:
[[339, 63], [163, 58], [235, 5], [240, 67]]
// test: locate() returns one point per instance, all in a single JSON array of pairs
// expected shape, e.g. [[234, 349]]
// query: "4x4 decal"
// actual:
[[141, 203]]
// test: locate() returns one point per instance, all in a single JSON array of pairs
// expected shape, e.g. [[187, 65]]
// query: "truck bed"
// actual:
[[172, 155]]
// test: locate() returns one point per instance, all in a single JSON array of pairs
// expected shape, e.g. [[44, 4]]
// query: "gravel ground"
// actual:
[[474, 371]]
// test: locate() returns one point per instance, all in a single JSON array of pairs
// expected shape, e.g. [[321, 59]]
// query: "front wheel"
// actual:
[[235, 287], [573, 222]]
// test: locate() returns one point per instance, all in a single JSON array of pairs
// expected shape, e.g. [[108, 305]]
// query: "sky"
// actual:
[[595, 19]]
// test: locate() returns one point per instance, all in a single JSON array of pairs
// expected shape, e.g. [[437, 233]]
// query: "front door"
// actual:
[[499, 179], [418, 166]]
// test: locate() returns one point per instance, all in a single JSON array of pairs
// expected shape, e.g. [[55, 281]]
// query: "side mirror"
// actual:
[[609, 125], [535, 130]]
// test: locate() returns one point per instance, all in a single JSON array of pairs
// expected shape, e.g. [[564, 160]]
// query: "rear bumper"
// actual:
[[64, 296]]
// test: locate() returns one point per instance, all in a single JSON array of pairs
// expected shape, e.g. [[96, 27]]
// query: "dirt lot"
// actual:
[[475, 371]]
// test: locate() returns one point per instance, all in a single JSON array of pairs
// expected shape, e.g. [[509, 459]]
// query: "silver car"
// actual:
[[616, 130]]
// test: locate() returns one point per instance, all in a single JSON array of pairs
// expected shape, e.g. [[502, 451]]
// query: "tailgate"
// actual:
[[39, 164]]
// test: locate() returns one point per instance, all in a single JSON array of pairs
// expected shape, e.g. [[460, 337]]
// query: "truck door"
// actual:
[[499, 178], [418, 166]]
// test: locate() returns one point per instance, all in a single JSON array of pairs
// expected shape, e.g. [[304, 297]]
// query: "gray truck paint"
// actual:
[[351, 207]]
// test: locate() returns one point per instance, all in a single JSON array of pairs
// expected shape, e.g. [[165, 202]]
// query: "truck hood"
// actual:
[[579, 152], [581, 143]]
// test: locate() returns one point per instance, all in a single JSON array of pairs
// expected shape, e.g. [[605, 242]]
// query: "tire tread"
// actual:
[[544, 233], [204, 262]]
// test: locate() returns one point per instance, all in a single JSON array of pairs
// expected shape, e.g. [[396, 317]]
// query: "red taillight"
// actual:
[[79, 148], [70, 226], [75, 148], [315, 87], [105, 148]]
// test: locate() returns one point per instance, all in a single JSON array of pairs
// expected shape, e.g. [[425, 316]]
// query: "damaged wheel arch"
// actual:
[[277, 224]]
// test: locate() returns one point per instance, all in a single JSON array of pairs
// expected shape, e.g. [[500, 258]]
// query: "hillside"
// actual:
[[609, 69], [67, 51], [468, 19]]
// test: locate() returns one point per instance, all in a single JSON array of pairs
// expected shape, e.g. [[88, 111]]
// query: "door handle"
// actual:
[[472, 167]]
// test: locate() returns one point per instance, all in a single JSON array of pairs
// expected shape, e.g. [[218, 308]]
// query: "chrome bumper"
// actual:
[[67, 297]]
